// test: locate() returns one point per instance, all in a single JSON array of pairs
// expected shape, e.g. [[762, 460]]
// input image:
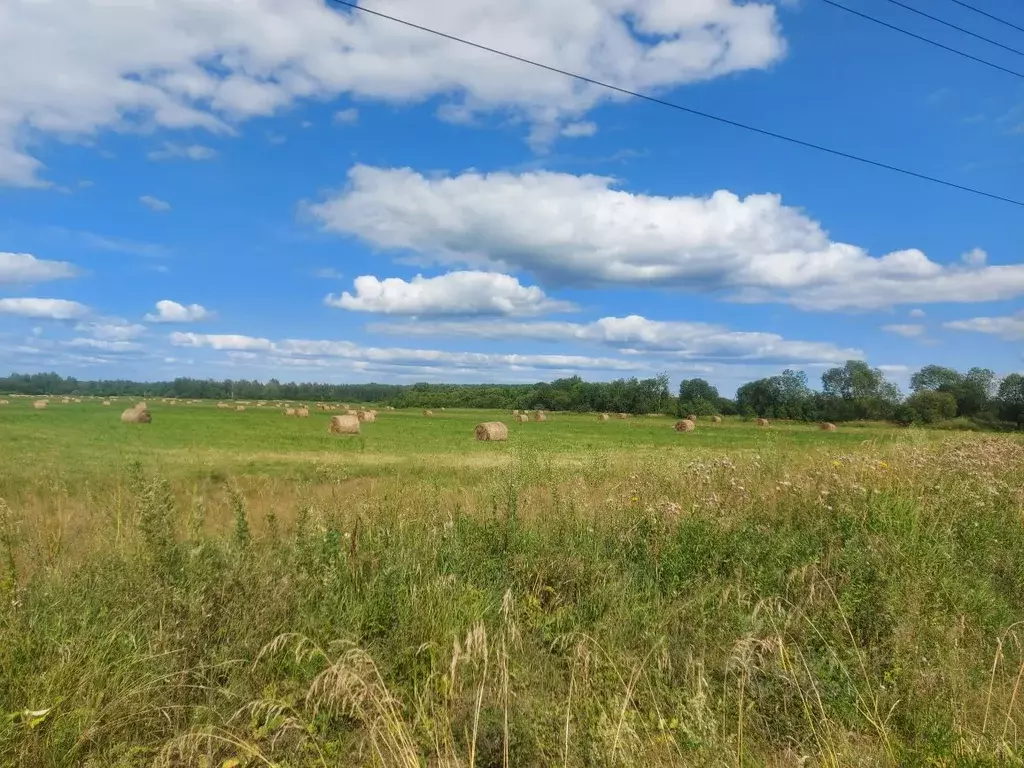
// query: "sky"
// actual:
[[298, 190]]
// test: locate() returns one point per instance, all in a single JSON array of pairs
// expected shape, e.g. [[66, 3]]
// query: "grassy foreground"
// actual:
[[240, 589]]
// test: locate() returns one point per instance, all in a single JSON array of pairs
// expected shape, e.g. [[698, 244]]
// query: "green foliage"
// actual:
[[697, 396], [928, 407], [971, 391]]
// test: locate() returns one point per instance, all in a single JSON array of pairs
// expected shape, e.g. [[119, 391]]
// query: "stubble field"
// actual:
[[224, 586]]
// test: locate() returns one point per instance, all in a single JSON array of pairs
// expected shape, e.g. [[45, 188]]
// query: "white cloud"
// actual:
[[916, 313], [172, 312], [1008, 327], [640, 336], [155, 203], [909, 330], [20, 268], [105, 345], [576, 130], [348, 116], [71, 70], [894, 368], [455, 293], [172, 151], [297, 350], [48, 309], [579, 230], [111, 330], [975, 257]]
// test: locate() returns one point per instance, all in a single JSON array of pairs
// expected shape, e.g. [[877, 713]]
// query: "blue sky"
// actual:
[[279, 189]]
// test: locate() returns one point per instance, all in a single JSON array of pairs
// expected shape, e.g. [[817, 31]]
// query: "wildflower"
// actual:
[[836, 464], [882, 465]]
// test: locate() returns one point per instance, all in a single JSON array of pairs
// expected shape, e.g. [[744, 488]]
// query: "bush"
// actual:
[[928, 407]]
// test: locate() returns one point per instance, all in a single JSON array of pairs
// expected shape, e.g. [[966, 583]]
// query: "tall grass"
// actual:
[[839, 609]]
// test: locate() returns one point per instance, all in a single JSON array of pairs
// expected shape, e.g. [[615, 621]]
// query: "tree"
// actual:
[[928, 406], [935, 378], [697, 396], [972, 390], [863, 390], [1011, 399]]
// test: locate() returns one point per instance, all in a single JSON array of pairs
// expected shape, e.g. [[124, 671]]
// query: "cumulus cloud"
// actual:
[[43, 309], [456, 293], [975, 257], [312, 350], [21, 268], [348, 116], [908, 330], [580, 230], [1008, 326], [172, 151], [638, 335], [916, 313], [172, 312], [111, 330], [155, 203], [71, 70]]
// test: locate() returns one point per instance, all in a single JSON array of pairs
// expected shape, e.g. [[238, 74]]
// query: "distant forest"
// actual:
[[853, 391]]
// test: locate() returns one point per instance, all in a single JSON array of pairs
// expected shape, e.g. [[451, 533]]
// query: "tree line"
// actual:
[[849, 392]]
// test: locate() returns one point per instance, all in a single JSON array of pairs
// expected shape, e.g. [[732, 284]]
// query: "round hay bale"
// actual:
[[302, 413], [523, 418], [223, 405], [716, 419], [289, 411], [428, 413], [515, 412], [491, 430], [239, 407], [136, 415], [39, 404], [603, 417], [366, 416], [540, 416], [827, 426], [763, 422], [692, 417], [3, 402], [344, 425], [106, 402], [622, 416], [685, 425]]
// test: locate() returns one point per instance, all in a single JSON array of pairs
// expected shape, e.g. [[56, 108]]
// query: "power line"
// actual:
[[989, 15], [923, 39], [681, 108], [989, 40]]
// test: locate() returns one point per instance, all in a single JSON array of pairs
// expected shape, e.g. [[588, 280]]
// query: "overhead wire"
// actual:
[[680, 107]]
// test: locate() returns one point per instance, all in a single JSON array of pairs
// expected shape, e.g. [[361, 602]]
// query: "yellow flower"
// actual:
[[882, 465], [836, 464]]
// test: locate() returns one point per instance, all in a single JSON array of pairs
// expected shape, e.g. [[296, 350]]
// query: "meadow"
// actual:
[[230, 589]]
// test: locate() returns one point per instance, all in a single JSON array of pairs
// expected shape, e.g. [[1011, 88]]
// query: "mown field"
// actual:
[[232, 589]]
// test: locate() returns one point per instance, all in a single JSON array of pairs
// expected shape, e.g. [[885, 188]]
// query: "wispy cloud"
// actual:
[[348, 116], [172, 151], [155, 203]]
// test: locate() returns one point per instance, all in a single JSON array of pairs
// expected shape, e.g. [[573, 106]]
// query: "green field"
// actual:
[[224, 586]]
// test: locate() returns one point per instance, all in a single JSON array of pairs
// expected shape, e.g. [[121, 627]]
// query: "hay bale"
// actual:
[[763, 422], [302, 413], [827, 426], [3, 402], [604, 417], [523, 418], [76, 400], [223, 405], [692, 417], [39, 404], [685, 425], [366, 416], [491, 430], [428, 413], [540, 416], [716, 419], [622, 416], [289, 411], [515, 412], [239, 407], [106, 402], [344, 425], [136, 415], [141, 405]]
